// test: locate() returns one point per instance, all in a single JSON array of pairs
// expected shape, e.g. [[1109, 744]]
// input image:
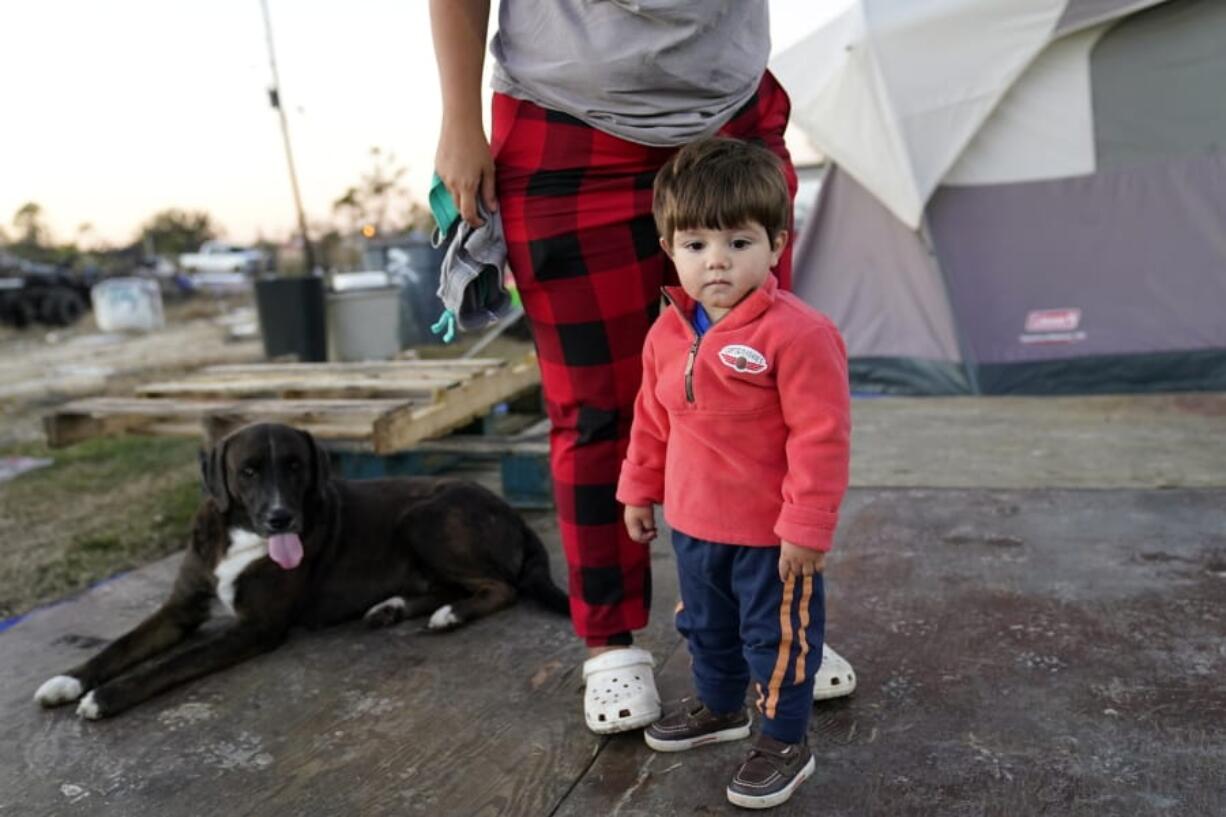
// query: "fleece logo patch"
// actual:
[[742, 358]]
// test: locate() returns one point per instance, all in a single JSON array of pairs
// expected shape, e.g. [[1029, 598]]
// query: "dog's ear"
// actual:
[[321, 469], [213, 472]]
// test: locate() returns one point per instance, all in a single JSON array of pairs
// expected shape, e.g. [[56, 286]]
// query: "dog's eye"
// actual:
[[248, 472], [293, 465]]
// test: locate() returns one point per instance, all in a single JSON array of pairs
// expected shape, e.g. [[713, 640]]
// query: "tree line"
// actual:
[[379, 204]]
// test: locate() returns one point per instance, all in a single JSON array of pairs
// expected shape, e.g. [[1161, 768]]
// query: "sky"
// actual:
[[115, 110]]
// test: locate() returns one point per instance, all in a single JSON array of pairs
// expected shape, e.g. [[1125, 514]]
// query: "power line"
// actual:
[[274, 98]]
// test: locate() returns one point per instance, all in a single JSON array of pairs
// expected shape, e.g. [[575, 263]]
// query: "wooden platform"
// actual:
[[1019, 653], [381, 407]]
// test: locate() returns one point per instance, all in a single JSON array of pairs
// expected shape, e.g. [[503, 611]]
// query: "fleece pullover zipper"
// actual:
[[693, 356], [689, 368]]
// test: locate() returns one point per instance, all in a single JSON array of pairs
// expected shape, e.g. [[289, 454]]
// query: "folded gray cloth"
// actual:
[[470, 282]]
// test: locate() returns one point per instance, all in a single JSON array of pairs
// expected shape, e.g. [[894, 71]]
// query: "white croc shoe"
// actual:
[[835, 678], [621, 691]]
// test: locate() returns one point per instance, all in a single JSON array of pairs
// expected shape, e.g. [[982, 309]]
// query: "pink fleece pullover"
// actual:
[[743, 434]]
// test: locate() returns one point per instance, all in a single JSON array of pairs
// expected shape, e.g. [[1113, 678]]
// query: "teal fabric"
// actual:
[[443, 208]]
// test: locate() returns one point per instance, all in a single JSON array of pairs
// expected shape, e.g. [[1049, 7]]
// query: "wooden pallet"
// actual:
[[380, 407]]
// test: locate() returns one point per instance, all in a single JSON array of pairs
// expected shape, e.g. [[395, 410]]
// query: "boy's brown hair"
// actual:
[[721, 184]]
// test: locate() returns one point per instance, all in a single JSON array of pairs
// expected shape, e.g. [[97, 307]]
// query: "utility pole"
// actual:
[[274, 98]]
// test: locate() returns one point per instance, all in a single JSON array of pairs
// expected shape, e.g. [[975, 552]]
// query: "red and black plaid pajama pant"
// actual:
[[576, 209]]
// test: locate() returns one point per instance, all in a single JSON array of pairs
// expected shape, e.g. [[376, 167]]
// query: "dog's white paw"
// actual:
[[88, 708], [61, 689], [388, 611], [443, 618]]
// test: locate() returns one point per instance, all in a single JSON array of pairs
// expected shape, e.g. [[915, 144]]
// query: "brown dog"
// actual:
[[280, 543]]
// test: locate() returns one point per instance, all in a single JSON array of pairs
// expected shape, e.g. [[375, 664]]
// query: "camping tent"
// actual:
[[1026, 196]]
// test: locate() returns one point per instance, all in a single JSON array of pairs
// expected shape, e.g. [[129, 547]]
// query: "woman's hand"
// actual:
[[641, 523], [464, 163], [793, 559]]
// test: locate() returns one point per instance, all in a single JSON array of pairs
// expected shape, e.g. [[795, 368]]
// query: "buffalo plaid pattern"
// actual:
[[583, 247]]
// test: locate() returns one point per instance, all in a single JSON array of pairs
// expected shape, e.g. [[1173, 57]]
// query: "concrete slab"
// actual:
[[1109, 441]]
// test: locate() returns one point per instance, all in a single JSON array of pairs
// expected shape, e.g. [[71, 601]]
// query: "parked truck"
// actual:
[[218, 256], [40, 293]]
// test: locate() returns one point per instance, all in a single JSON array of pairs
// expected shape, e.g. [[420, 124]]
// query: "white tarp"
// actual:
[[894, 90], [1085, 13], [1044, 126]]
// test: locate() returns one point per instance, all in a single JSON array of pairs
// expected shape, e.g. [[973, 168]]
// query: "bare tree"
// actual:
[[174, 231], [380, 200], [28, 220]]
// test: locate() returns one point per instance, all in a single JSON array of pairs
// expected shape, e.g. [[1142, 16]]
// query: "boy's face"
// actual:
[[718, 268]]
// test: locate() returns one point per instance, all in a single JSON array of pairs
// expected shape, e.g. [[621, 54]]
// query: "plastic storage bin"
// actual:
[[127, 305], [363, 324]]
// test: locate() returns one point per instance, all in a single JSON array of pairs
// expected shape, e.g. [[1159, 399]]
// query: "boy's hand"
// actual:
[[798, 560], [641, 523]]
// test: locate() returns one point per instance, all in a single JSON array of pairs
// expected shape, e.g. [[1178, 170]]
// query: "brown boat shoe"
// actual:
[[695, 726], [770, 773]]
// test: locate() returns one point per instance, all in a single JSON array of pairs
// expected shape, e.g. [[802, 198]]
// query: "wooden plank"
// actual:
[[533, 440], [456, 364], [328, 376], [115, 406], [357, 435], [168, 408], [433, 377], [379, 421], [399, 429], [330, 419], [300, 387], [102, 416], [65, 429]]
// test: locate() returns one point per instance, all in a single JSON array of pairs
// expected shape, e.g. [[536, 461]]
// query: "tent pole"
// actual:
[[925, 234]]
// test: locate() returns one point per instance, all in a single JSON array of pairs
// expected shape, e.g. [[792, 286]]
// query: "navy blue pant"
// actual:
[[744, 624]]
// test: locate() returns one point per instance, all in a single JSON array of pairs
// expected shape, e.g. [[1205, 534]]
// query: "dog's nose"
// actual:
[[279, 519]]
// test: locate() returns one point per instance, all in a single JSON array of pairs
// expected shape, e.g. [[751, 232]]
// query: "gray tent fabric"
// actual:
[[1080, 14], [1159, 82], [863, 265], [858, 233], [1138, 252]]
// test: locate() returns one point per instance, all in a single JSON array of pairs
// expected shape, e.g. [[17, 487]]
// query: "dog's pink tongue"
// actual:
[[285, 549]]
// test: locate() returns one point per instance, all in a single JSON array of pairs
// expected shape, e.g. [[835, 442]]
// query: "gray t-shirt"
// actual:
[[657, 72]]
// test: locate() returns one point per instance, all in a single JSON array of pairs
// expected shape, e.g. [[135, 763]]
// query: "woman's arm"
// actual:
[[463, 159]]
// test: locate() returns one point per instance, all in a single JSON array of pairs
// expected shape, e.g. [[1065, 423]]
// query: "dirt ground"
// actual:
[[106, 505], [40, 368]]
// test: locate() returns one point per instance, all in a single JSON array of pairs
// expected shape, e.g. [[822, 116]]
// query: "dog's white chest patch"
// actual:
[[245, 548]]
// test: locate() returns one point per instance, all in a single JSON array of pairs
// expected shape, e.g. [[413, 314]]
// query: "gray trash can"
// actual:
[[364, 324]]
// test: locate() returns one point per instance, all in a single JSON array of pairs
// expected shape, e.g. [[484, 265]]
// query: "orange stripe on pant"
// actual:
[[806, 596], [785, 647]]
